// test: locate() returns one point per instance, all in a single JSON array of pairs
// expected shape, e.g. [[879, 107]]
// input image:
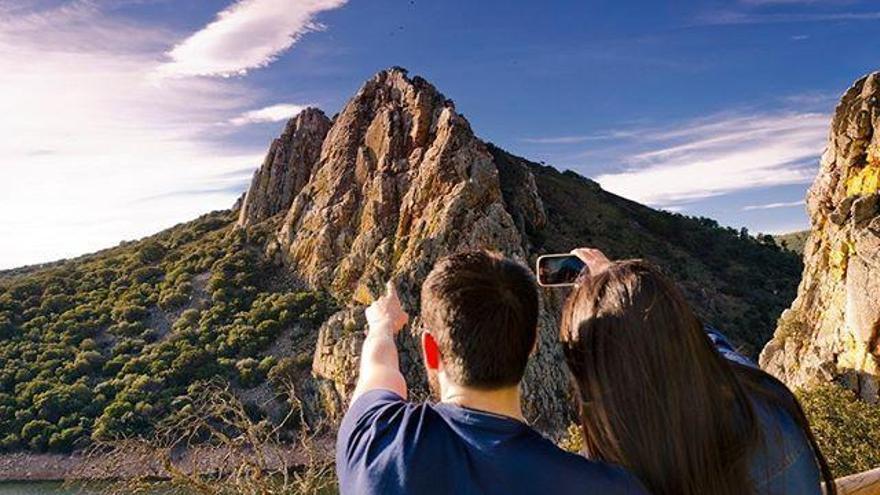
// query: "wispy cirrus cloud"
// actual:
[[583, 138], [718, 155], [274, 113], [773, 206], [797, 2], [731, 17], [247, 35]]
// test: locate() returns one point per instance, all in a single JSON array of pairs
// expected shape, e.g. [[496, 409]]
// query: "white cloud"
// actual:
[[89, 145], [273, 113], [794, 2], [719, 155], [577, 139], [249, 34], [736, 17], [674, 208], [773, 206]]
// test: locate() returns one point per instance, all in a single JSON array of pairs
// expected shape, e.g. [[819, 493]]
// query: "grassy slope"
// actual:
[[793, 241]]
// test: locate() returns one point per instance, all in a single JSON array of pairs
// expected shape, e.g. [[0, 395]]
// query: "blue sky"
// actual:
[[125, 117]]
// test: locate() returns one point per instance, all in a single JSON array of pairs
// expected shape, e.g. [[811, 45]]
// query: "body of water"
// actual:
[[40, 488], [53, 488]]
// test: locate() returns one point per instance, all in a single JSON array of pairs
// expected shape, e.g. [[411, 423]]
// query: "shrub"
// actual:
[[847, 429], [248, 372], [150, 252], [175, 298], [36, 434], [56, 303], [147, 274], [65, 440], [126, 329], [130, 312], [7, 329], [10, 442]]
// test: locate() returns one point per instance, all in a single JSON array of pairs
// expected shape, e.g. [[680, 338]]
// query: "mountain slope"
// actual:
[[793, 241], [104, 345], [271, 297], [736, 282]]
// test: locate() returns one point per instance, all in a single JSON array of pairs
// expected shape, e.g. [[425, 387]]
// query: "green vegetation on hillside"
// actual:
[[794, 241], [106, 345], [847, 429]]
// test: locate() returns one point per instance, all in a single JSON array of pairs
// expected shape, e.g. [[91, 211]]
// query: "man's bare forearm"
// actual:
[[380, 366]]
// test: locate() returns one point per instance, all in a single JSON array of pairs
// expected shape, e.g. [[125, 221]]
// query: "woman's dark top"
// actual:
[[784, 462]]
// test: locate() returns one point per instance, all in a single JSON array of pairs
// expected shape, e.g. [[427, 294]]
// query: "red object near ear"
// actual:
[[432, 352]]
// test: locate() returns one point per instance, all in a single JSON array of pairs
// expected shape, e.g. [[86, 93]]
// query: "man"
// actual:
[[480, 313]]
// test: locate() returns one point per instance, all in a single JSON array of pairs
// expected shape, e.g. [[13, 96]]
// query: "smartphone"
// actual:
[[558, 270]]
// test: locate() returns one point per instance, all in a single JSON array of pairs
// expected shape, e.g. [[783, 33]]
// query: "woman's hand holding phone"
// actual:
[[595, 260]]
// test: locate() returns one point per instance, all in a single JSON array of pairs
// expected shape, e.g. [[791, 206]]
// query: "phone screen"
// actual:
[[559, 269]]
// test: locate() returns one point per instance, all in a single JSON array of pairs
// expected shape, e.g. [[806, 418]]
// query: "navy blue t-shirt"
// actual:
[[389, 446]]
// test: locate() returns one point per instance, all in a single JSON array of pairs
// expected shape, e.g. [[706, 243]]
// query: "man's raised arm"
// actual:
[[380, 366]]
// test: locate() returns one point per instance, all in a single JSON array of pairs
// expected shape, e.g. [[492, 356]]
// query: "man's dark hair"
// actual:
[[482, 310]]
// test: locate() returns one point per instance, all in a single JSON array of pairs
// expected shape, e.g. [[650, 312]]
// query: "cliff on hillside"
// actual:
[[832, 329], [401, 180]]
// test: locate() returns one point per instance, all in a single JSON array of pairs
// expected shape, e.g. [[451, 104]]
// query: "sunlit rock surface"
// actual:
[[286, 168], [832, 330]]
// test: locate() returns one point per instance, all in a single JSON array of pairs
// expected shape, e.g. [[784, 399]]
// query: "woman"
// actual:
[[659, 398]]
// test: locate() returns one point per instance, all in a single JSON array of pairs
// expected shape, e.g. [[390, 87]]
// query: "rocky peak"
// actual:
[[399, 181], [832, 330], [402, 180], [286, 168]]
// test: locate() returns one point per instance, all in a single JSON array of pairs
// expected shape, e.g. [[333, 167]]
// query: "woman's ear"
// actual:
[[431, 351]]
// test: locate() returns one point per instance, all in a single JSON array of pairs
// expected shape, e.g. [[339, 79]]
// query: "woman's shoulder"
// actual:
[[784, 461]]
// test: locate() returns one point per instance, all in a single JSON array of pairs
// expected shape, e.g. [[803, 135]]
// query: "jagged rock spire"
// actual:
[[287, 167], [402, 181], [397, 182], [832, 329]]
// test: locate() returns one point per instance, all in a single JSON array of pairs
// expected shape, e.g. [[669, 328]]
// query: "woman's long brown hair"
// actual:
[[656, 396]]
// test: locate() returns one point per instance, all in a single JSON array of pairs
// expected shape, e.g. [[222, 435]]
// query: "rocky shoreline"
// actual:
[[23, 466], [26, 466]]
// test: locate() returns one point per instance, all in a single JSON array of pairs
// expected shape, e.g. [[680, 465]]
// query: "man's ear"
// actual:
[[431, 351], [536, 345]]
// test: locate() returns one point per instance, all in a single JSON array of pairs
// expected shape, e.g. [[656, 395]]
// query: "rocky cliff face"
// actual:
[[286, 168], [401, 181], [398, 180], [832, 330]]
